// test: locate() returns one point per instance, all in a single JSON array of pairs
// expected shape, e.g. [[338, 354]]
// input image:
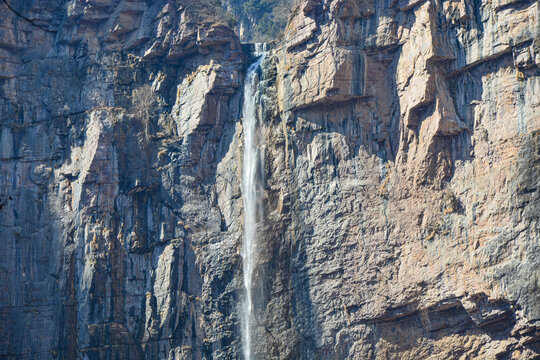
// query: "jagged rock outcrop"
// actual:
[[402, 165], [409, 232], [104, 229]]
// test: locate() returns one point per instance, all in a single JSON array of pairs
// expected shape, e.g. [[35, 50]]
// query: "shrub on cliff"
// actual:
[[144, 103]]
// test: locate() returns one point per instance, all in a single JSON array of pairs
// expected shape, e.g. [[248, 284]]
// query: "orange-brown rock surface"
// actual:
[[411, 136], [401, 175]]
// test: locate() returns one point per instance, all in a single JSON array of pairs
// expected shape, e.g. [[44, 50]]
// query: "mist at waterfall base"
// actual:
[[252, 180]]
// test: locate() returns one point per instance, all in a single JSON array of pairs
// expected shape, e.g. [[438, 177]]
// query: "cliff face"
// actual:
[[402, 162], [412, 131], [104, 217]]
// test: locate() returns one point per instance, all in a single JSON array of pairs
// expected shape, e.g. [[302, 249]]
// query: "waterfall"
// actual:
[[252, 179]]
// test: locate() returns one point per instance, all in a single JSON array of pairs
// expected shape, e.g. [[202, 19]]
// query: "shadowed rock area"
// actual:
[[401, 201]]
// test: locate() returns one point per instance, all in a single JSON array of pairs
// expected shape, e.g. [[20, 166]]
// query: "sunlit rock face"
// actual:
[[400, 196], [410, 133]]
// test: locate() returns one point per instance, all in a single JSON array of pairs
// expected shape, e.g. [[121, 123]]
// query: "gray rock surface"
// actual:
[[106, 233], [402, 168]]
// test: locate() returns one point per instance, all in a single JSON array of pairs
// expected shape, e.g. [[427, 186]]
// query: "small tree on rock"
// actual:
[[144, 101]]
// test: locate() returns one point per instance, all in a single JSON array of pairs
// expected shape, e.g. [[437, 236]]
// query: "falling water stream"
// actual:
[[252, 179]]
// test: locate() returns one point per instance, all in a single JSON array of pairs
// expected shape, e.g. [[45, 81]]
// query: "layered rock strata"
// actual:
[[110, 199], [401, 198], [407, 137]]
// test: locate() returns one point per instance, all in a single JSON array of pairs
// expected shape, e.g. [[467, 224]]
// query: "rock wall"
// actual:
[[402, 168], [405, 151], [110, 200]]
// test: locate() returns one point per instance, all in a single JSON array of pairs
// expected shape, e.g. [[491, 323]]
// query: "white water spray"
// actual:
[[252, 179]]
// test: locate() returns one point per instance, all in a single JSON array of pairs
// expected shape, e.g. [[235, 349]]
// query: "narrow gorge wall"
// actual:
[[402, 162]]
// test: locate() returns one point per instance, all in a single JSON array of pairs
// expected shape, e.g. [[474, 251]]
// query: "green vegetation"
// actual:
[[259, 20], [208, 11], [262, 20]]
